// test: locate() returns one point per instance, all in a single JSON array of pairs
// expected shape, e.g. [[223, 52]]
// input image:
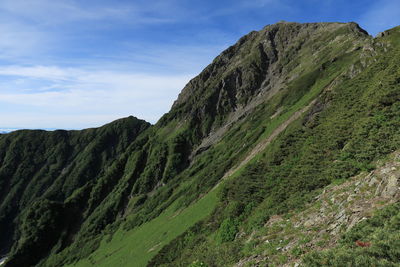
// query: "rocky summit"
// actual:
[[284, 151]]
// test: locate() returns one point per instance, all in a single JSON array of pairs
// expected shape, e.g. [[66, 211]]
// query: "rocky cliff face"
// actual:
[[257, 67], [275, 118], [332, 213], [260, 59]]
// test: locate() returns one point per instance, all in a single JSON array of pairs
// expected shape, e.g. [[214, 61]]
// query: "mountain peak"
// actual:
[[251, 141], [259, 65], [315, 26]]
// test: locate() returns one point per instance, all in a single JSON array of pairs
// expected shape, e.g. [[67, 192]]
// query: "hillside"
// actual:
[[261, 160]]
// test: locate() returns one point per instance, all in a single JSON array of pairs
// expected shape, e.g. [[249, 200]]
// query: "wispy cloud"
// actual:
[[32, 29], [40, 72], [76, 93], [7, 130], [48, 12], [74, 64], [20, 41], [68, 64]]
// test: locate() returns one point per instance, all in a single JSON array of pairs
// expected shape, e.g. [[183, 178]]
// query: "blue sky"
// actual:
[[76, 64]]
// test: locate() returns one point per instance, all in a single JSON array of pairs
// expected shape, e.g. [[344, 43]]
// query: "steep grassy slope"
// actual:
[[138, 246], [354, 121], [239, 140], [282, 113]]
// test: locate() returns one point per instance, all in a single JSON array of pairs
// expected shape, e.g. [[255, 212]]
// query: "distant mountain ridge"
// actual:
[[7, 130], [229, 174]]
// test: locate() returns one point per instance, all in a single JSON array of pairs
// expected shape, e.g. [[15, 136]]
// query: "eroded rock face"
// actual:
[[256, 68], [391, 189], [335, 211], [358, 198]]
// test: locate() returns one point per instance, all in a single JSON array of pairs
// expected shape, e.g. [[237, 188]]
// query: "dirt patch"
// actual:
[[154, 247]]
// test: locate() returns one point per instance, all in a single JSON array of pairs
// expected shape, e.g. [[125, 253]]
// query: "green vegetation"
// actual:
[[380, 236], [136, 247], [227, 231], [355, 127], [54, 170], [132, 194]]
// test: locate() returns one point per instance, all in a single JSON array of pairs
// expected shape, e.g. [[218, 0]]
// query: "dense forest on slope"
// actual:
[[274, 119], [40, 172]]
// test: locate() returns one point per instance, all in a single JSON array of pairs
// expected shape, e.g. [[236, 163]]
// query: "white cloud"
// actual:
[[97, 90], [31, 120], [50, 12], [34, 10], [240, 6], [40, 72], [42, 42], [21, 40], [78, 95], [32, 28], [7, 130]]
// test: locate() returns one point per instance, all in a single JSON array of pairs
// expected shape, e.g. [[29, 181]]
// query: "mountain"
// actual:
[[283, 151], [7, 130]]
